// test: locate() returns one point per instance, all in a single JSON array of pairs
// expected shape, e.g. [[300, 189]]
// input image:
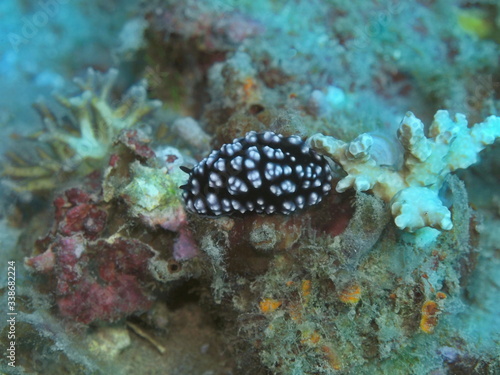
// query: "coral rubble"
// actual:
[[99, 273], [95, 279]]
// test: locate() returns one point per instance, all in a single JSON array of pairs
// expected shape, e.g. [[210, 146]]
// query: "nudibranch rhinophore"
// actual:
[[262, 173]]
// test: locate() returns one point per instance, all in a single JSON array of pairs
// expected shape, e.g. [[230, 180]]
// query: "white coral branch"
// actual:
[[412, 190]]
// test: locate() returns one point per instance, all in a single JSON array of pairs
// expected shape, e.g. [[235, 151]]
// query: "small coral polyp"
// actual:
[[413, 190], [81, 145]]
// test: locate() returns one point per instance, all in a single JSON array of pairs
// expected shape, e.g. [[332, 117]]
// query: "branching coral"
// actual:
[[78, 144], [413, 190]]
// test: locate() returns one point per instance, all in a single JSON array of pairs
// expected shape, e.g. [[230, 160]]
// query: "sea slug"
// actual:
[[262, 173]]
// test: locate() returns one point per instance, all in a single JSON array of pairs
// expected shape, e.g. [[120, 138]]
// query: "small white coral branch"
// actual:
[[413, 189], [418, 207]]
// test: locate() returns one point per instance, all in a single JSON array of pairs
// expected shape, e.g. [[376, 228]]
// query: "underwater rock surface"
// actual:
[[116, 271]]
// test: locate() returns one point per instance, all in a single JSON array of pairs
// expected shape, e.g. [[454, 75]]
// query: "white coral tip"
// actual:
[[360, 147], [417, 207], [446, 223], [362, 184], [345, 184]]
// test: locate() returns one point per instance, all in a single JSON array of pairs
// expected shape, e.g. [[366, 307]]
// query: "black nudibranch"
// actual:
[[262, 173]]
